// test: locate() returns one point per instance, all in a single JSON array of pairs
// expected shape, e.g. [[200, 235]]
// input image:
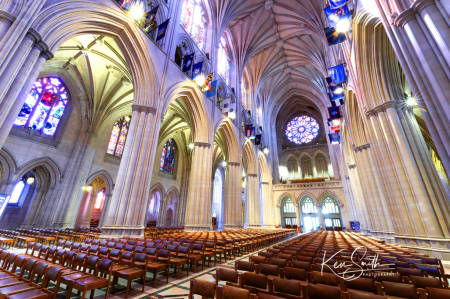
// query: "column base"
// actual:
[[119, 231], [197, 228]]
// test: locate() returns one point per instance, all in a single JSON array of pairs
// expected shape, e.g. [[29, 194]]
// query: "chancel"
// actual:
[[224, 148]]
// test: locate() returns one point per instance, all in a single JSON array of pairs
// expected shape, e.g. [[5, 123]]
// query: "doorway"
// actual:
[[288, 215], [331, 214], [308, 210]]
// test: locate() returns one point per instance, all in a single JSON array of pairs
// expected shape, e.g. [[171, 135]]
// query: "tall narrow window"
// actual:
[[243, 95], [193, 20], [17, 192], [119, 136], [223, 65], [330, 206], [44, 106], [100, 198], [168, 156]]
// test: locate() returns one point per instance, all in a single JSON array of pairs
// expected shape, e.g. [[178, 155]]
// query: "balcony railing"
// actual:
[[332, 184]]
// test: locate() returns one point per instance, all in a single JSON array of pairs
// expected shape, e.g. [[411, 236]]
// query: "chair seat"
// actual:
[[31, 294], [176, 261], [89, 280], [156, 266], [5, 276], [11, 281], [130, 273], [15, 288], [73, 276]]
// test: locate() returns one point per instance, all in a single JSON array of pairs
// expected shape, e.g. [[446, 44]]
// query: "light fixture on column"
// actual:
[[89, 188], [191, 145], [411, 101], [265, 150], [137, 12], [224, 163], [343, 26], [30, 180]]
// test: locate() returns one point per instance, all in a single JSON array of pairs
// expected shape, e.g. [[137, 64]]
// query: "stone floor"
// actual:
[[176, 288]]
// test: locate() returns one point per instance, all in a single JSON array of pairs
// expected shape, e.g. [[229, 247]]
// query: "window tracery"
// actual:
[[302, 129], [119, 136], [168, 156], [330, 206], [223, 64], [44, 106], [193, 20], [308, 205]]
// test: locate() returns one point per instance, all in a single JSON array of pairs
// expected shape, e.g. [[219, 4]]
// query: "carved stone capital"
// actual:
[[410, 14], [7, 16], [234, 164], [351, 166], [141, 108], [252, 175], [362, 147], [34, 35], [265, 183]]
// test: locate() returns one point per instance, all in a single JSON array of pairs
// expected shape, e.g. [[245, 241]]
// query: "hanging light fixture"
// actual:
[[30, 180], [224, 163], [89, 188], [191, 145], [265, 150], [411, 101]]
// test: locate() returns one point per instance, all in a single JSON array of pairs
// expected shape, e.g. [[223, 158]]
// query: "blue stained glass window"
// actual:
[[168, 156], [44, 106], [302, 129]]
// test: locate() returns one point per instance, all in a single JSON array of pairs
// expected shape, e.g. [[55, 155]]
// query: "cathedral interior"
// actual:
[[222, 129]]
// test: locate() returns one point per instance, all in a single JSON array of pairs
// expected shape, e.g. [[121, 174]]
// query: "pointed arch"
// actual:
[[105, 176], [228, 141], [75, 18], [47, 163], [265, 175], [306, 193], [319, 151], [8, 163], [157, 188], [173, 190], [283, 195], [200, 120], [248, 157], [332, 194], [293, 156]]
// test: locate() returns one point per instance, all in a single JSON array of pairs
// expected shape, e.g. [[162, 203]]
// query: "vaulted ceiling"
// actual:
[[279, 43], [97, 65]]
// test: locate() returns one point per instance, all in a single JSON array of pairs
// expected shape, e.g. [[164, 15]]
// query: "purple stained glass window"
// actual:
[[119, 136], [44, 106], [168, 156], [302, 129]]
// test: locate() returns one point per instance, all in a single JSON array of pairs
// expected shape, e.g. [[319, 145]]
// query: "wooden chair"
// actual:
[[93, 282], [136, 270]]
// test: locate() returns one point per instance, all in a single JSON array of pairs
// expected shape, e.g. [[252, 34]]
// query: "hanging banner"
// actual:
[[226, 105], [334, 37], [337, 74], [334, 16]]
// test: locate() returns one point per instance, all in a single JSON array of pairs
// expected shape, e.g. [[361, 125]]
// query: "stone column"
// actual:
[[267, 205], [82, 212], [319, 215], [17, 94], [297, 214], [253, 199], [198, 215], [128, 207], [233, 197]]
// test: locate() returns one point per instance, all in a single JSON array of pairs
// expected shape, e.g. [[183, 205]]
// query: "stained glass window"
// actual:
[[17, 192], [168, 156], [99, 199], [119, 136], [243, 95], [44, 106], [302, 129], [223, 65], [193, 20], [330, 206], [288, 206]]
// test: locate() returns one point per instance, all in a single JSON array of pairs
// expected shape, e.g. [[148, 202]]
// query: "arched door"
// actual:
[[288, 215], [308, 213], [331, 214]]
